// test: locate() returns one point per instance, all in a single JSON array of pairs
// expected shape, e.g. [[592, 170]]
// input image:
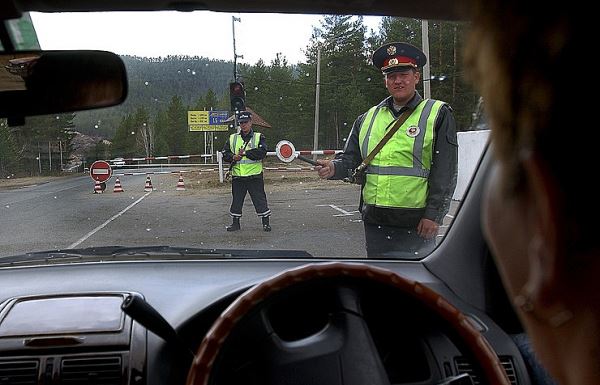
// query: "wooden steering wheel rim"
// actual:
[[201, 368]]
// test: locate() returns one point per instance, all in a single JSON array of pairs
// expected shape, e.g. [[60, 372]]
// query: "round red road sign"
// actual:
[[100, 171]]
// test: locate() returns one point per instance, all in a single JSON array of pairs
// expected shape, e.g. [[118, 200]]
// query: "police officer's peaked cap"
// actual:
[[393, 57], [244, 116]]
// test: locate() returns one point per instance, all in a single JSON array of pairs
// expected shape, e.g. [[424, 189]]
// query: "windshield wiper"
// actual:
[[121, 253]]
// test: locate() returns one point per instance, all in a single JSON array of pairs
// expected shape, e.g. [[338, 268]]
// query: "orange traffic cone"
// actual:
[[180, 185], [98, 188], [148, 187], [118, 187]]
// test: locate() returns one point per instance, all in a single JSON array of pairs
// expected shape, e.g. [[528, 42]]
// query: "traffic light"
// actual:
[[237, 95]]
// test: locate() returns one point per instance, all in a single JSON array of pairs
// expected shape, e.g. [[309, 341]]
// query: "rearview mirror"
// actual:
[[50, 82]]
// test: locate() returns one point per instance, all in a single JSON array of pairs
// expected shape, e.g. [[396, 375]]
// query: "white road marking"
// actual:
[[72, 246], [343, 212]]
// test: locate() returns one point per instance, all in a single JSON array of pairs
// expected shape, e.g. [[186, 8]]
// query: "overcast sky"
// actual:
[[202, 33]]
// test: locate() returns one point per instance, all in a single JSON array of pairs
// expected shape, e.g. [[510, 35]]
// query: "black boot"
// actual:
[[235, 226], [265, 223]]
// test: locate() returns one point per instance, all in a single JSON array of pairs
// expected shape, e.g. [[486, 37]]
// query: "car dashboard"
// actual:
[[63, 323]]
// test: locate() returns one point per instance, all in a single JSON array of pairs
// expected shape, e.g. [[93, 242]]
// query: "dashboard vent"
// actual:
[[509, 368], [19, 372], [91, 370], [464, 365]]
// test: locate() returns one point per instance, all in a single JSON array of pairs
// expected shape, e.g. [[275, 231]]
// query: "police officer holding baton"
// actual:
[[246, 150], [403, 152]]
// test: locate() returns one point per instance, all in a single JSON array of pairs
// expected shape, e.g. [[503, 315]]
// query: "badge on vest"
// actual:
[[413, 131]]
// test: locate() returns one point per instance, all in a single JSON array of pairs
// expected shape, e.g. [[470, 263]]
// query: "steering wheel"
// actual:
[[343, 352]]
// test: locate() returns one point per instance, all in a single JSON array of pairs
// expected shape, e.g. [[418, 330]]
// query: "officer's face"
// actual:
[[402, 85], [245, 126]]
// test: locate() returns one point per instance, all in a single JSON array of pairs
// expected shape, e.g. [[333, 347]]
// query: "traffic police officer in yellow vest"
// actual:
[[246, 150], [409, 183]]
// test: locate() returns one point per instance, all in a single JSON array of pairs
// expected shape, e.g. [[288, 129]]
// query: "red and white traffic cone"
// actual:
[[98, 188], [118, 187], [148, 187], [180, 185]]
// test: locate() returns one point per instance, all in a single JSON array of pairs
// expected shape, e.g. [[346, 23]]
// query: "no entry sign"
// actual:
[[100, 171]]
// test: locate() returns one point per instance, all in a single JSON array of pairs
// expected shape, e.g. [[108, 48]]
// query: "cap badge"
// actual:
[[413, 131], [393, 62], [391, 50]]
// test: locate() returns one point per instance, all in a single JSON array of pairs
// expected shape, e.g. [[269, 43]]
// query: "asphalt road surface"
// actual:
[[308, 214]]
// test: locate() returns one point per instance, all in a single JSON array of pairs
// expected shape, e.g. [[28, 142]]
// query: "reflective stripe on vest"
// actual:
[[245, 166], [397, 176]]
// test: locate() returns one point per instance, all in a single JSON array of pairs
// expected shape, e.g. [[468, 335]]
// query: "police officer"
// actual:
[[409, 184], [246, 150]]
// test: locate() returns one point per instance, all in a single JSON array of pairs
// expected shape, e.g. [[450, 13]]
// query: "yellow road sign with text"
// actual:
[[207, 121]]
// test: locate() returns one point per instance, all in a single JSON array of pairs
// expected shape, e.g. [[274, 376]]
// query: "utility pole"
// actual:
[[235, 56], [316, 138], [61, 155], [426, 70]]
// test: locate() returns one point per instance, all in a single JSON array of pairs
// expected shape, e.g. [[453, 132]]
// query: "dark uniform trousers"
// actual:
[[396, 242], [254, 185]]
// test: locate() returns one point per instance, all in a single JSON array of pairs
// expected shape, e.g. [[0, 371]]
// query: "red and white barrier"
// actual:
[[308, 152], [165, 172]]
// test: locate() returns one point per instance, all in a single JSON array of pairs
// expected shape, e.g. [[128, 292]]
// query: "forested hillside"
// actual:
[[153, 82]]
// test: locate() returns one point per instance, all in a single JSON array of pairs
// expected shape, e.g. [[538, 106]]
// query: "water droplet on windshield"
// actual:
[[7, 206], [55, 197], [389, 237], [148, 229]]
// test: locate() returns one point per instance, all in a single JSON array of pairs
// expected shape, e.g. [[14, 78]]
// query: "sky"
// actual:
[[201, 33]]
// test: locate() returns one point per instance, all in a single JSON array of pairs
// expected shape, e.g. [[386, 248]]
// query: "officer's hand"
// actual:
[[427, 228], [326, 168], [237, 157]]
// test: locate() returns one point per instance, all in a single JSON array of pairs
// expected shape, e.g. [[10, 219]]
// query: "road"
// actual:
[[317, 216]]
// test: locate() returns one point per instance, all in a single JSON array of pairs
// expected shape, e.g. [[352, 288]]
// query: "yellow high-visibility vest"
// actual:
[[397, 176], [245, 166]]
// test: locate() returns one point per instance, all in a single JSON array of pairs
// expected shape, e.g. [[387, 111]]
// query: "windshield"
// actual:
[[249, 132]]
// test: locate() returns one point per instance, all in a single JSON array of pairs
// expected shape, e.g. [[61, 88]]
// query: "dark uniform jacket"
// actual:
[[257, 153], [442, 176]]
